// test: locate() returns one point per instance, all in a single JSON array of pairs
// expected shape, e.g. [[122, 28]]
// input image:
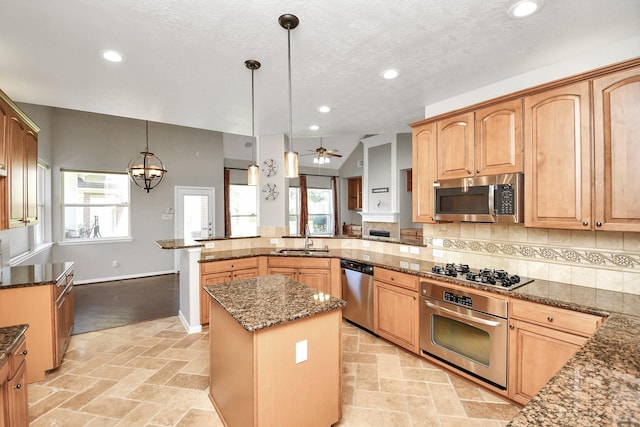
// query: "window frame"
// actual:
[[64, 240]]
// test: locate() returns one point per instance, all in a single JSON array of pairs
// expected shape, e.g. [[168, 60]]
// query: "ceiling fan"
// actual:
[[322, 155]]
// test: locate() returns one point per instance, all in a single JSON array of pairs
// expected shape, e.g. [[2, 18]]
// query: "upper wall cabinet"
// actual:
[[498, 138], [424, 171], [616, 113], [19, 148], [455, 147], [557, 158]]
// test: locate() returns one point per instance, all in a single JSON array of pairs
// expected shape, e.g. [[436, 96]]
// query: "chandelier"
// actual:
[[145, 169]]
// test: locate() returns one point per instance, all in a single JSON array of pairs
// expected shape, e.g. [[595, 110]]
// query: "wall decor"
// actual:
[[270, 191], [270, 167]]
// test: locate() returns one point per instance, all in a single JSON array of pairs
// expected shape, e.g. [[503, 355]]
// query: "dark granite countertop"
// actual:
[[261, 302], [9, 335], [33, 275]]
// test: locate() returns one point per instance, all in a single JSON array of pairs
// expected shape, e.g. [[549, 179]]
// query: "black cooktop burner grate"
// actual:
[[486, 276]]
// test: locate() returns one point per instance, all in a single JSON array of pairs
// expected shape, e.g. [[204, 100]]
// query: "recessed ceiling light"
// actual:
[[390, 74], [111, 55], [523, 8], [314, 127], [324, 109]]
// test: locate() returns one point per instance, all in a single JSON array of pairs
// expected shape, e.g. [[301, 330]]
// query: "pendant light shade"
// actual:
[[253, 171], [289, 22], [145, 169]]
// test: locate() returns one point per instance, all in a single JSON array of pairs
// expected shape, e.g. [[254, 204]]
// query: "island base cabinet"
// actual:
[[537, 354], [254, 377]]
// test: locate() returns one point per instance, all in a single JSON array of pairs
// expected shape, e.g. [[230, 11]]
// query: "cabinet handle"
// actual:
[[469, 171], [585, 223], [24, 352], [511, 327], [598, 224], [550, 318], [477, 170], [17, 386]]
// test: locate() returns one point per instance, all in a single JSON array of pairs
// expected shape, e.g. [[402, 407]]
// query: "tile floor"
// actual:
[[153, 374]]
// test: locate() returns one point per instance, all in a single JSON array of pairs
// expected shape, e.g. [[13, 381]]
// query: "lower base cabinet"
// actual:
[[542, 339], [13, 388], [314, 272], [396, 307]]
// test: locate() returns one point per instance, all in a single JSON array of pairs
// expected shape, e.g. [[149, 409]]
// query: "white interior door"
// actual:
[[194, 214]]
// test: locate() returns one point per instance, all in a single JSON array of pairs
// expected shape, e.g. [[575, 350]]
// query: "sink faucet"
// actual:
[[307, 242]]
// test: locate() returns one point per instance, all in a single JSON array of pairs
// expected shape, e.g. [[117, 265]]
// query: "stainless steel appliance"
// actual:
[[494, 198], [357, 291], [486, 276], [466, 330]]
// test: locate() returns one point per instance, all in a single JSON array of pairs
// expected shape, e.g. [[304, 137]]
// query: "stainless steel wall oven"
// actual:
[[465, 329]]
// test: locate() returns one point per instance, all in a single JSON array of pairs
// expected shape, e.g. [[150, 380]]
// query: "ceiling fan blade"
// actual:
[[329, 153]]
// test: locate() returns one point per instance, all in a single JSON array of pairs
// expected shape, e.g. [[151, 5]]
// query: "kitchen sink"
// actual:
[[302, 251]]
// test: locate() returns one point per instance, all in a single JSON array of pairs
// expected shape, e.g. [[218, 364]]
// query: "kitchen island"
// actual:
[[275, 353]]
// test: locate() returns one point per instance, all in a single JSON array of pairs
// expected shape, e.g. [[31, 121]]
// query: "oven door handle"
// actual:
[[464, 316]]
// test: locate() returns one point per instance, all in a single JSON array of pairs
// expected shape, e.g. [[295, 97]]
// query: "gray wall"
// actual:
[[349, 169], [81, 140]]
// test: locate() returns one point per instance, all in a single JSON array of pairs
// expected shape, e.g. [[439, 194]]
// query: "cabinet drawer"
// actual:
[[558, 318], [299, 262], [227, 265], [18, 356], [395, 278]]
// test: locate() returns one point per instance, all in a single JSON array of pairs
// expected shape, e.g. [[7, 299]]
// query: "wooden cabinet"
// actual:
[[63, 315], [17, 386], [352, 230], [212, 273], [557, 158], [19, 150], [13, 387], [314, 272], [541, 340], [455, 147], [49, 325], [395, 308], [354, 193], [424, 164], [498, 139], [616, 113]]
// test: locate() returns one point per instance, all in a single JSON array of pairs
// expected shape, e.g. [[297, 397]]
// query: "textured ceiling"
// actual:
[[185, 59]]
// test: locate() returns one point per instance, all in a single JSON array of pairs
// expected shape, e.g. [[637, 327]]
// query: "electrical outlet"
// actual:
[[114, 264], [209, 245], [404, 249], [274, 241], [438, 253], [301, 351], [404, 264], [365, 244], [414, 250], [438, 243]]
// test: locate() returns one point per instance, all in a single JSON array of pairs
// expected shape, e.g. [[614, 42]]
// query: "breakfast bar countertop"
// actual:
[[33, 275], [261, 302]]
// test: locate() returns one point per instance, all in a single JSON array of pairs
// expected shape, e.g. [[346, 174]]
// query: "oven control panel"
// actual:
[[457, 299]]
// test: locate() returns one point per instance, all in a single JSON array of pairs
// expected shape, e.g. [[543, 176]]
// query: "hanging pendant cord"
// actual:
[[290, 103]]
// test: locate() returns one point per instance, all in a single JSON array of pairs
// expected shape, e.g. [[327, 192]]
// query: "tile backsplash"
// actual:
[[603, 260]]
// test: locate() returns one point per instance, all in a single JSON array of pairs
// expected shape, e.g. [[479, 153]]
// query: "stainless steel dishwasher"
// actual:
[[357, 291]]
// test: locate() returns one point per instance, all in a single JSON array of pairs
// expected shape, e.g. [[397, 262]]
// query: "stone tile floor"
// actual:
[[154, 374]]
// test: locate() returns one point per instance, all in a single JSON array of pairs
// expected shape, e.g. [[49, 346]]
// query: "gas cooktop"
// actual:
[[485, 276]]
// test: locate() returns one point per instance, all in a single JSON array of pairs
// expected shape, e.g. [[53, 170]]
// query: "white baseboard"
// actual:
[[189, 329], [127, 276]]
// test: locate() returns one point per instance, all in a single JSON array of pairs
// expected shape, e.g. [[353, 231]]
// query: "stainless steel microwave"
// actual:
[[493, 198]]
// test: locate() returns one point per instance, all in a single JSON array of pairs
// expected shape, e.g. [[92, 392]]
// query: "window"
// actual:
[[320, 208], [95, 205], [244, 218]]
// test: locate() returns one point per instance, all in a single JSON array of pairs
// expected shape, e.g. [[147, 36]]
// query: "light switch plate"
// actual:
[[365, 244], [438, 243], [209, 245], [404, 264], [438, 253], [301, 351], [414, 250], [274, 241], [404, 249]]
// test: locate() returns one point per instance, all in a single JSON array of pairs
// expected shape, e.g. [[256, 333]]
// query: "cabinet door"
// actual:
[[245, 274], [535, 355], [558, 158], [16, 173], [354, 193], [617, 151], [289, 272], [396, 315], [498, 139], [316, 278], [60, 321], [210, 279], [18, 402], [424, 165], [455, 147], [4, 393]]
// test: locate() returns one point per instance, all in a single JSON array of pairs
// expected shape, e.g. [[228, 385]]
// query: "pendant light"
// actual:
[[289, 22], [253, 171], [145, 169]]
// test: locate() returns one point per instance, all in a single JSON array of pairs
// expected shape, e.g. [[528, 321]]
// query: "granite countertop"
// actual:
[[599, 386], [33, 275], [261, 302], [9, 335]]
